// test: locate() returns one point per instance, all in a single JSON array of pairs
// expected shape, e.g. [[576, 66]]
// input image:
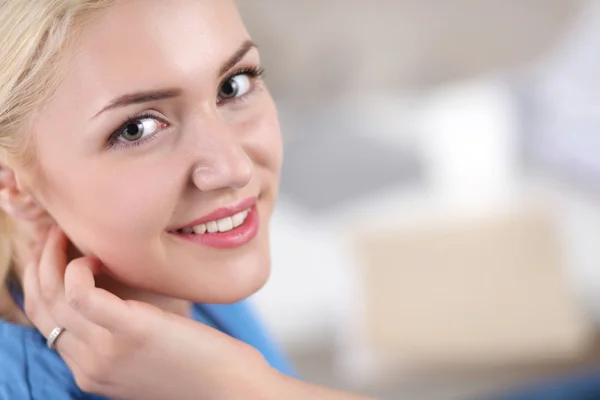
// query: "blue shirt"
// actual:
[[579, 386], [29, 370]]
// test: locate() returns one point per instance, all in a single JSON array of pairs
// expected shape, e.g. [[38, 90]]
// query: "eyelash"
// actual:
[[114, 143], [254, 73]]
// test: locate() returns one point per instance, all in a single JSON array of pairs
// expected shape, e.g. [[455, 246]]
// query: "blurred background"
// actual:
[[438, 231]]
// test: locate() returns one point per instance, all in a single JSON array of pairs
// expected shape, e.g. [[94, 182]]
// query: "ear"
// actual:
[[16, 202]]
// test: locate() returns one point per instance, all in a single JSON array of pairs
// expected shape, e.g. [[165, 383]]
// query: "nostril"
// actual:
[[230, 168]]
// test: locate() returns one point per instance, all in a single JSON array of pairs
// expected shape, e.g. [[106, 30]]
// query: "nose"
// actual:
[[223, 164]]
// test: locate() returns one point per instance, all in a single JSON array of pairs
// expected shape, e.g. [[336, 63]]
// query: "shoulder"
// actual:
[[11, 392], [29, 370], [13, 362], [240, 321]]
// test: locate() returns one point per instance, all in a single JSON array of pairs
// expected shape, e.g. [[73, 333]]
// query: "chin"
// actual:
[[229, 281], [241, 289]]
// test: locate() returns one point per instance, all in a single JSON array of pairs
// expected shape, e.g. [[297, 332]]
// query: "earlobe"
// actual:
[[14, 201]]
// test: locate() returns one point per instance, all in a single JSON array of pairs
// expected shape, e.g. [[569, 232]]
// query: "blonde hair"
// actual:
[[34, 35]]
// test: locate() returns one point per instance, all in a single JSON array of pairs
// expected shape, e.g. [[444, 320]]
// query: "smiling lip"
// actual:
[[222, 213], [230, 239]]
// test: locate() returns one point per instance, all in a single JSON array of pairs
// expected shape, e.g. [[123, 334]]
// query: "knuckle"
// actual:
[[47, 292], [75, 300]]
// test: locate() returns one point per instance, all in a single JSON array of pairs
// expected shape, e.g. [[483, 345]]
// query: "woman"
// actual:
[[141, 156]]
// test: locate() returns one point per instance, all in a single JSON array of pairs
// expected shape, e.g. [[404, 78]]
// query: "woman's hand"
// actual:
[[131, 350]]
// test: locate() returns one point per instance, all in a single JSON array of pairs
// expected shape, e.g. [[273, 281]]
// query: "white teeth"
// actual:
[[225, 224], [222, 225], [200, 229], [238, 219], [212, 227]]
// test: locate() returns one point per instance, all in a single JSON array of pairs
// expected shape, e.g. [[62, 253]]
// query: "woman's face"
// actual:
[[160, 121]]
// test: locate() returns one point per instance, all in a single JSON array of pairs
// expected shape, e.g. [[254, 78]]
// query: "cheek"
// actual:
[[264, 143], [116, 214]]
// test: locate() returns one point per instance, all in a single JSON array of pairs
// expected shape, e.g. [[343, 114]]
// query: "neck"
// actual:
[[31, 234], [125, 292]]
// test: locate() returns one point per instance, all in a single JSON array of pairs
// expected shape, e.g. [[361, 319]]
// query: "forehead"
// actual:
[[149, 44]]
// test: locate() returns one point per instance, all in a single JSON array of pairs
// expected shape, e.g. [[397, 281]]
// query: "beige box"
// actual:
[[485, 291]]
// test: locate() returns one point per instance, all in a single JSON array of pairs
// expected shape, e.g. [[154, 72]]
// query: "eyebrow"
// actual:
[[237, 56], [154, 95]]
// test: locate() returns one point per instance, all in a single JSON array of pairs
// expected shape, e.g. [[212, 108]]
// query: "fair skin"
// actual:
[[206, 153], [116, 274]]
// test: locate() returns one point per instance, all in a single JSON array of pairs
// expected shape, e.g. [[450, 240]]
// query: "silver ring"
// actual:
[[54, 335]]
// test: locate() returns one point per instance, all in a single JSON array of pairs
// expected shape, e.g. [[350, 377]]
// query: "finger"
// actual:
[[52, 266], [46, 286], [51, 276], [37, 312], [35, 309], [39, 315], [71, 348], [40, 243], [97, 305]]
